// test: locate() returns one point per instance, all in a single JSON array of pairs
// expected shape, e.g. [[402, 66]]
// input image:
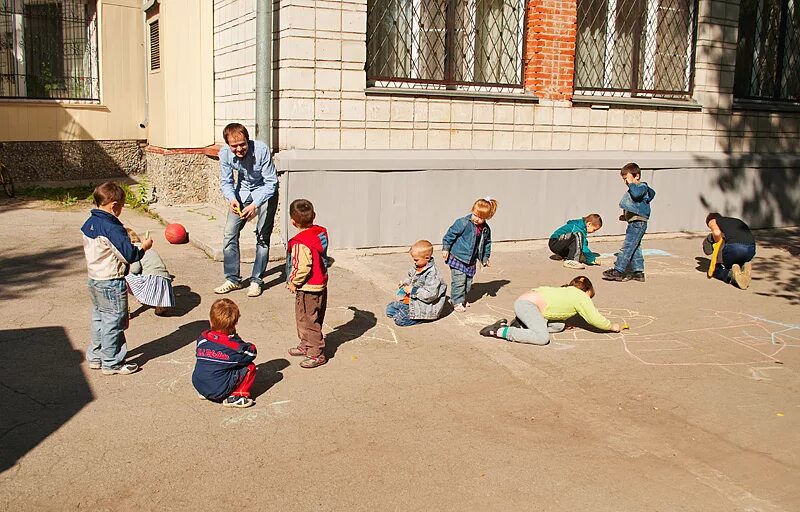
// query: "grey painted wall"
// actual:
[[368, 202]]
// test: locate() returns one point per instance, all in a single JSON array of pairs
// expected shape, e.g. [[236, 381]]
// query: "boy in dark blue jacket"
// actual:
[[109, 254], [635, 204], [224, 371], [570, 241]]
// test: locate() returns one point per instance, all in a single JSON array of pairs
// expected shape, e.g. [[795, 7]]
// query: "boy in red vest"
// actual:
[[307, 271]]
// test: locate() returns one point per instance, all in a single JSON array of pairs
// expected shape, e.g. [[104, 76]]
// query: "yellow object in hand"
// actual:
[[714, 256]]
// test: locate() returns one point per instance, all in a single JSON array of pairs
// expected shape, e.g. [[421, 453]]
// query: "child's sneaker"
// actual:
[[747, 274], [163, 311], [313, 362], [491, 330], [122, 369], [613, 275], [575, 265], [459, 308], [297, 351], [237, 401], [229, 286], [638, 276], [95, 365]]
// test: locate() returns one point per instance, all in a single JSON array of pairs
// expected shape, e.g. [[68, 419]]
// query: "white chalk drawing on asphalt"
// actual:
[[257, 416], [340, 315], [645, 252]]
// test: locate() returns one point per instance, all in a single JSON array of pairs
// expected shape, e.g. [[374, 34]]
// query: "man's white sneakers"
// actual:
[[254, 290], [229, 286]]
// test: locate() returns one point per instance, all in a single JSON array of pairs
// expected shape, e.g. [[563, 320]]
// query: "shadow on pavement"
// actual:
[[26, 273], [42, 386], [490, 288], [361, 322], [176, 340], [267, 375]]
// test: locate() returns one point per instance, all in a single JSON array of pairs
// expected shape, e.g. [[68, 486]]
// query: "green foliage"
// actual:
[[135, 195]]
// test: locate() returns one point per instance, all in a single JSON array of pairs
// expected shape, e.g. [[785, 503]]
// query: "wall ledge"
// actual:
[[210, 151], [296, 160]]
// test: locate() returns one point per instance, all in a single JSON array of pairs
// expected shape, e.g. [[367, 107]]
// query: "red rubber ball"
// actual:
[[176, 234]]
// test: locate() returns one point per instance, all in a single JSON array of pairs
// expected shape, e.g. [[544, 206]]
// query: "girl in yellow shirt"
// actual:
[[545, 309]]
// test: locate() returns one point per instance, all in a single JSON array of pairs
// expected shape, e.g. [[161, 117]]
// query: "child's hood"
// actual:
[[578, 223], [316, 237], [643, 190]]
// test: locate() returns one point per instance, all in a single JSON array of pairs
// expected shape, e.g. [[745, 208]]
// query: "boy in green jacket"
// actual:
[[571, 243]]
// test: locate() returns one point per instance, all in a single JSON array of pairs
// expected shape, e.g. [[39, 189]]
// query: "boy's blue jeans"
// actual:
[[631, 252], [109, 321], [398, 311], [265, 221], [459, 286], [733, 254]]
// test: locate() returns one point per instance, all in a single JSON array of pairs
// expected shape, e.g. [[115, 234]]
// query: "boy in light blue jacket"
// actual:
[[635, 206]]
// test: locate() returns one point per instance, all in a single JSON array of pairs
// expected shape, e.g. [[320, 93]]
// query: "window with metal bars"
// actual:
[[445, 44], [48, 49], [635, 48], [768, 56], [155, 48]]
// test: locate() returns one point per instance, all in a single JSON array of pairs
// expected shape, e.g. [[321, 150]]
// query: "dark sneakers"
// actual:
[[612, 275], [638, 276], [238, 401], [491, 330]]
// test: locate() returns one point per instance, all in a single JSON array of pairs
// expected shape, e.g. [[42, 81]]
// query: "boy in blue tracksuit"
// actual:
[[635, 204], [224, 371], [570, 241], [109, 253]]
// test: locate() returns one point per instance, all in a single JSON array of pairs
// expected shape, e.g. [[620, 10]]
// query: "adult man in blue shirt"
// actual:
[[253, 194]]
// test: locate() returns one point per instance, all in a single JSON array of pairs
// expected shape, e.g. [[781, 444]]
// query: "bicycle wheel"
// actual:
[[8, 185]]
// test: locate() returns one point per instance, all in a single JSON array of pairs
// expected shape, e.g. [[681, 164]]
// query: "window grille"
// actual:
[[635, 47], [48, 49], [446, 43], [155, 51], [768, 56]]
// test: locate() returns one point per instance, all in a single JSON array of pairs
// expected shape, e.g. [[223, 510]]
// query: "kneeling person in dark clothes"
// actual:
[[738, 249], [224, 371]]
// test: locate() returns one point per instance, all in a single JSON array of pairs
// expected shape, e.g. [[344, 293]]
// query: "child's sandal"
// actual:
[[297, 351], [313, 362]]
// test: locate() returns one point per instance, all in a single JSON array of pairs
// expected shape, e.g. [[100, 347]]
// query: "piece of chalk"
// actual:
[[626, 326], [147, 235]]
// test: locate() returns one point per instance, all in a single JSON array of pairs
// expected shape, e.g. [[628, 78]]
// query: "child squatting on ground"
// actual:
[[149, 280], [544, 310], [468, 241], [224, 370], [423, 293], [571, 243], [738, 249], [635, 204], [109, 252], [307, 271]]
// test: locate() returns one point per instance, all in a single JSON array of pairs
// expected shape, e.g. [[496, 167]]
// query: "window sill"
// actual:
[[431, 93], [615, 102], [765, 105], [81, 104]]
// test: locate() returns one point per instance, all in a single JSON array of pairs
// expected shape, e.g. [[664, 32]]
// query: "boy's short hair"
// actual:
[[302, 212], [632, 169], [711, 216], [594, 219], [232, 128], [422, 248], [133, 236], [224, 315], [107, 193]]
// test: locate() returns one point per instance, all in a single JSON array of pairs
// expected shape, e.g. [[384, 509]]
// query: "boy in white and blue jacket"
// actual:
[[635, 204], [109, 253], [224, 370]]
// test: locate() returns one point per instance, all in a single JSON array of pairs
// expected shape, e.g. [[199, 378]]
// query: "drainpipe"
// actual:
[[263, 69]]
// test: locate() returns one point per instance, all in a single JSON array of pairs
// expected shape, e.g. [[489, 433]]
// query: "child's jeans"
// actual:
[[631, 252], [733, 254], [265, 221], [399, 312], [109, 321], [535, 328], [459, 286]]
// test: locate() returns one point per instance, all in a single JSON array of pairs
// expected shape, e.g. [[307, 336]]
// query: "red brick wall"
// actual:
[[550, 48]]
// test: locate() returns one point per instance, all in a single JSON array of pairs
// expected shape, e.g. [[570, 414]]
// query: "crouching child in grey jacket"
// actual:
[[421, 296]]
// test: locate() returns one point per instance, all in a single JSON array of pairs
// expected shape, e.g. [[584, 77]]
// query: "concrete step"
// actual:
[[205, 224]]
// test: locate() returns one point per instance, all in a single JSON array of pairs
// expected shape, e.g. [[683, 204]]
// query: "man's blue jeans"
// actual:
[[631, 252], [230, 241], [460, 283], [109, 321], [398, 311], [733, 254]]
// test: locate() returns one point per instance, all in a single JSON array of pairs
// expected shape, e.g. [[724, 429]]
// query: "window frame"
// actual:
[[449, 64], [634, 92]]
